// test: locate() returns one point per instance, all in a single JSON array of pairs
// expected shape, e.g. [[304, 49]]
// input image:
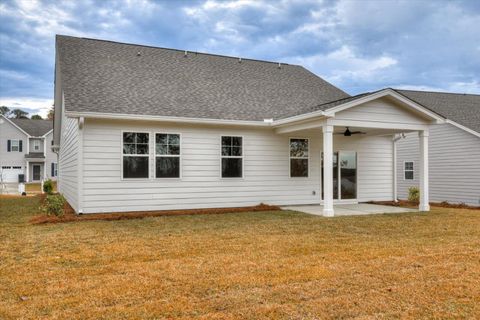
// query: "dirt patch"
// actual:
[[410, 204], [70, 215]]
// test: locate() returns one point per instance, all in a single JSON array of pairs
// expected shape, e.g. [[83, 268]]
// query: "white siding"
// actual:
[[454, 165], [68, 160], [266, 170], [381, 110]]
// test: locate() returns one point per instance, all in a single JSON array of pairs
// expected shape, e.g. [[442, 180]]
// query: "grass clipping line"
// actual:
[[70, 215]]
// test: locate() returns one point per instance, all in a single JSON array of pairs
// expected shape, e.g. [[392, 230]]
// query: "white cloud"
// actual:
[[33, 106], [344, 65]]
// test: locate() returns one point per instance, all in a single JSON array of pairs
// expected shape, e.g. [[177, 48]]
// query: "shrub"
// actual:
[[48, 186], [413, 194], [53, 205]]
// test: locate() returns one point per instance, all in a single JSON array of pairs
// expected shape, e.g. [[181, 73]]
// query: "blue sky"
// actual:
[[357, 45]]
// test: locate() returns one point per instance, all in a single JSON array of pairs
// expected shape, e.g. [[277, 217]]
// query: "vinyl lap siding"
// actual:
[[266, 170], [68, 160], [454, 165]]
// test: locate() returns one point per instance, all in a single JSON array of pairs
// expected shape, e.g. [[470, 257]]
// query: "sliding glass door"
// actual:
[[344, 175]]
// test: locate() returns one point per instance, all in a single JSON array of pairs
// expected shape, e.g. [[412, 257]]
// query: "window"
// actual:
[[15, 145], [408, 170], [167, 155], [6, 167], [298, 158], [36, 145], [232, 157], [54, 172], [16, 167], [135, 155]]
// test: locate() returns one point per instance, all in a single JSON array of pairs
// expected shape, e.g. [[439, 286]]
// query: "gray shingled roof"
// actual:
[[110, 77], [35, 128], [461, 108]]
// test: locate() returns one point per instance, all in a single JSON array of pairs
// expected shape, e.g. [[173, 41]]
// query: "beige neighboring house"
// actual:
[[25, 149]]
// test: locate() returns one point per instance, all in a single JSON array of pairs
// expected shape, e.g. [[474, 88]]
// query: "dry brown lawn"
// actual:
[[276, 265]]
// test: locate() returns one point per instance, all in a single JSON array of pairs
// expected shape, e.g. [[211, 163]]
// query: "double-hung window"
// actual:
[[15, 145], [408, 170], [167, 155], [36, 145], [298, 158], [232, 157], [135, 155]]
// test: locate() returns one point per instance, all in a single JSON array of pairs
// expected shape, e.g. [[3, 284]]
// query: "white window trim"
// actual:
[[17, 146], [405, 170], [166, 155], [36, 145], [290, 157], [135, 155], [236, 157]]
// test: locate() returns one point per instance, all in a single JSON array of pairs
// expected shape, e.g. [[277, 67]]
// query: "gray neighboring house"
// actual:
[[454, 149], [25, 148]]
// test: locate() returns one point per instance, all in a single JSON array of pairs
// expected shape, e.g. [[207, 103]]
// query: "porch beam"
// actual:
[[328, 171], [424, 197], [377, 125], [305, 125]]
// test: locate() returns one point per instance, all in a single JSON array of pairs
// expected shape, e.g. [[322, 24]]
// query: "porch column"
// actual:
[[27, 177], [424, 199], [328, 171]]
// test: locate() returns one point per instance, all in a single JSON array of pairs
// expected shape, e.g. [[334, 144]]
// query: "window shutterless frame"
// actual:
[[290, 157], [36, 145], [234, 157], [405, 170], [122, 155], [179, 156]]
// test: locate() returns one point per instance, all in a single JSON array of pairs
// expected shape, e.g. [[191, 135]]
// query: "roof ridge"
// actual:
[[442, 92], [179, 50]]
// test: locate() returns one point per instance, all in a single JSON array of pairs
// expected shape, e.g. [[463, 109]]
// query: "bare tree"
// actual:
[[4, 110], [19, 114]]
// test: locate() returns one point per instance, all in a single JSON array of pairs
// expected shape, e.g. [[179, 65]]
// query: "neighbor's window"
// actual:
[[232, 157], [408, 170], [135, 154], [167, 155], [54, 168], [36, 145], [15, 145], [298, 158]]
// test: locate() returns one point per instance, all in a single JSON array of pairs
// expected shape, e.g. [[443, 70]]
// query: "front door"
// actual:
[[36, 172]]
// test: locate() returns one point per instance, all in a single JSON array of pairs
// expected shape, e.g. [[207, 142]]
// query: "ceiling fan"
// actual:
[[348, 133]]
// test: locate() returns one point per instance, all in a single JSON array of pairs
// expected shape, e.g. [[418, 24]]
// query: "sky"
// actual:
[[358, 46]]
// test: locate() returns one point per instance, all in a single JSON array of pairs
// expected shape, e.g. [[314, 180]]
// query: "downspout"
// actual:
[[81, 124], [395, 139]]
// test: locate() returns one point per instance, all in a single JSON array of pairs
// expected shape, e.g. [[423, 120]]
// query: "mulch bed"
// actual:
[[409, 204], [70, 215]]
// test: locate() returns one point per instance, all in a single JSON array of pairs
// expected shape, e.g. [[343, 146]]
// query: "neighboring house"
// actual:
[[145, 128], [454, 149], [25, 149]]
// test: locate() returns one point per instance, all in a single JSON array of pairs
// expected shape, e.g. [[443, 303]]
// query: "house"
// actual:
[[454, 149], [25, 149], [146, 128]]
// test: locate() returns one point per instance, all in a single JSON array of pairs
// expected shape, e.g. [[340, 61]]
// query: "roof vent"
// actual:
[[138, 54], [279, 65], [185, 54], [239, 60]]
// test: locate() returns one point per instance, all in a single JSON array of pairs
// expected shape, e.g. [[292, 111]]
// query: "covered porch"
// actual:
[[357, 137]]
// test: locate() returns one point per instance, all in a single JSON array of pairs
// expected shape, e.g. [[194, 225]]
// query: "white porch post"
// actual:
[[328, 171], [424, 199], [27, 177]]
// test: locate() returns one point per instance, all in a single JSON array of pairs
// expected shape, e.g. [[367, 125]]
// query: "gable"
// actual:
[[384, 109]]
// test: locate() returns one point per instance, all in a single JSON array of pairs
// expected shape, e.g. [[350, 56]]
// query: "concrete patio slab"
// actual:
[[350, 209]]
